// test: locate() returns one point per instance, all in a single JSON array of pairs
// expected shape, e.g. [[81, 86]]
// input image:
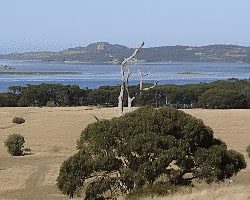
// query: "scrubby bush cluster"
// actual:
[[219, 94], [133, 152], [18, 120], [27, 149], [14, 143]]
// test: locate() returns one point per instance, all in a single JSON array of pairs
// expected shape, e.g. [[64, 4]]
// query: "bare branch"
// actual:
[[114, 59], [133, 55], [95, 117], [139, 70], [145, 74], [127, 84], [149, 72], [129, 73], [145, 89]]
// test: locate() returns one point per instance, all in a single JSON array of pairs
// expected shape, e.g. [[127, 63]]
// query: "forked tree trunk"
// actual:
[[130, 100], [123, 64], [120, 98]]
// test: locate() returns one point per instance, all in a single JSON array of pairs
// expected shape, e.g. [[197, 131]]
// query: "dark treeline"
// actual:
[[219, 94]]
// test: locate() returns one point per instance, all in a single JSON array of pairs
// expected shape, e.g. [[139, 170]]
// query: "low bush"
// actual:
[[18, 120], [27, 149], [248, 150], [155, 190], [50, 104], [132, 152], [14, 143]]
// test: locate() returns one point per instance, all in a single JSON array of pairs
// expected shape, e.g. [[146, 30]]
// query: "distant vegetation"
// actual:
[[132, 153], [99, 52], [5, 67], [190, 74], [37, 73], [218, 95], [18, 120]]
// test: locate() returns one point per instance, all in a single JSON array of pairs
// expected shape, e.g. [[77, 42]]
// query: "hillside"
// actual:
[[99, 53]]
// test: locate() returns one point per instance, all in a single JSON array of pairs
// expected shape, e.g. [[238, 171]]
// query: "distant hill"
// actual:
[[99, 52]]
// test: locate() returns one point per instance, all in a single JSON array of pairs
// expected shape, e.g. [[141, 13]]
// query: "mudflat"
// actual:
[[51, 134]]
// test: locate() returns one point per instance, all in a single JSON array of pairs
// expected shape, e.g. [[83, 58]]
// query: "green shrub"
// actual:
[[50, 104], [14, 143], [18, 120], [248, 150], [27, 149], [131, 152]]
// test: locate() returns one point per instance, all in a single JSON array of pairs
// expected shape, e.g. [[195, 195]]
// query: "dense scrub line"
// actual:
[[219, 94]]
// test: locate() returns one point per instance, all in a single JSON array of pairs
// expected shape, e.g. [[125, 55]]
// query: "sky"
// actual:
[[41, 25]]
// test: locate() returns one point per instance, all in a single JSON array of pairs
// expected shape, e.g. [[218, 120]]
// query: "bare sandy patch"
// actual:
[[15, 177], [51, 176], [232, 126]]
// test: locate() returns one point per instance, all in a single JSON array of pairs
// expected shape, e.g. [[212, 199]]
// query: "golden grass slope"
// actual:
[[51, 133]]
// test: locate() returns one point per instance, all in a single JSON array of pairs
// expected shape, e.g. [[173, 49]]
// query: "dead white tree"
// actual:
[[125, 81], [141, 89], [127, 89], [123, 64]]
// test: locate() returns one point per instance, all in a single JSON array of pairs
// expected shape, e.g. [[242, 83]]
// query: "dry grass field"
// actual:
[[51, 133]]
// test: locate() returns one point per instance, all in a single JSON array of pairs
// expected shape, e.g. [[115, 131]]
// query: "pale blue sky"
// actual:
[[31, 25]]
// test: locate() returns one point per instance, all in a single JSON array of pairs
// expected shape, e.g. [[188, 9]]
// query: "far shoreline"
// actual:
[[112, 63]]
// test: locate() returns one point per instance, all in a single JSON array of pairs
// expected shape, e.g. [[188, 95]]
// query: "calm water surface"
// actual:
[[109, 74]]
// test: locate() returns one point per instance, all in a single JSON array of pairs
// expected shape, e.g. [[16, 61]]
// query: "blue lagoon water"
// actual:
[[95, 75]]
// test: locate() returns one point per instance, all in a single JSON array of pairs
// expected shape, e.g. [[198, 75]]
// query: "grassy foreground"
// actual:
[[51, 133]]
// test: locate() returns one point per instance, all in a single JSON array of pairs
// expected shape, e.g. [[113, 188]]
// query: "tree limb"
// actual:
[[143, 74], [133, 55], [114, 59], [149, 72], [145, 89], [127, 84], [95, 117]]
